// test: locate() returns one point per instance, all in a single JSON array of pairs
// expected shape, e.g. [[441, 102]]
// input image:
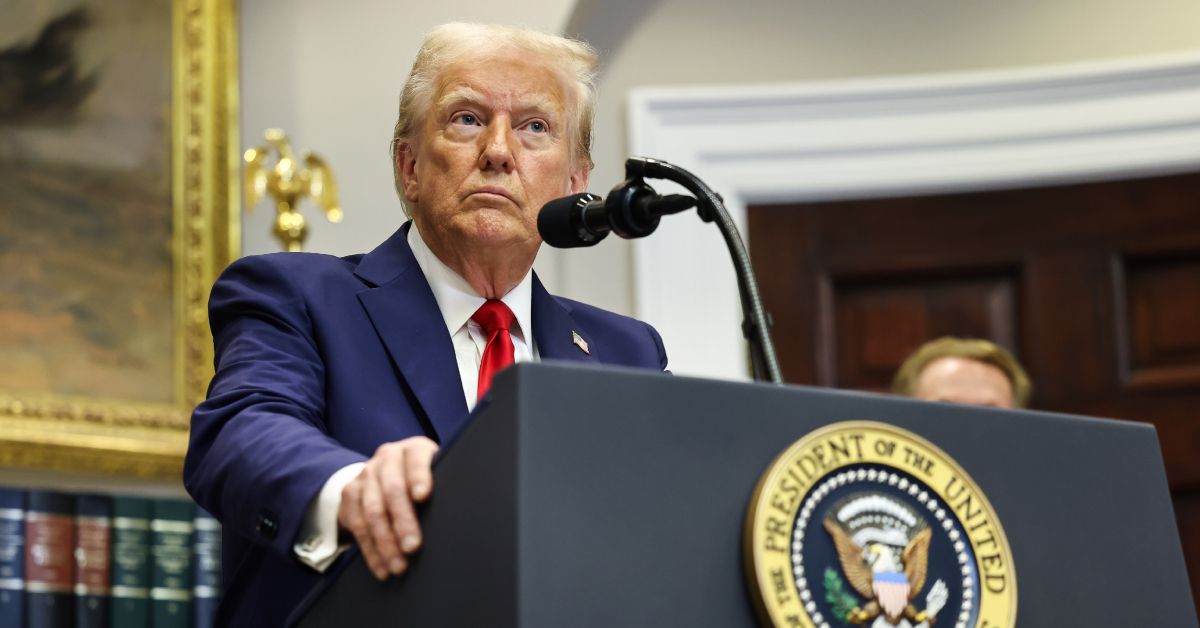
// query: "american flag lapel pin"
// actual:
[[580, 342]]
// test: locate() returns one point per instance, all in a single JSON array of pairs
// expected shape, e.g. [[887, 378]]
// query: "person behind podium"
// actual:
[[337, 378], [964, 370]]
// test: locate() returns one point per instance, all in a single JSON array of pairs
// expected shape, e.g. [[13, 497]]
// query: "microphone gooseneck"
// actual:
[[756, 325]]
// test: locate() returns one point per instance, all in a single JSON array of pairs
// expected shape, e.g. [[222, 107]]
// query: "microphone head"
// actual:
[[561, 222]]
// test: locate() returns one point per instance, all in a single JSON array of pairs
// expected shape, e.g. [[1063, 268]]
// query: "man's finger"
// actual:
[[378, 522], [400, 508], [371, 555], [418, 464], [351, 517]]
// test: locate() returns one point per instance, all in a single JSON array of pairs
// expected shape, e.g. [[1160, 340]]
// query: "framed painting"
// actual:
[[118, 161]]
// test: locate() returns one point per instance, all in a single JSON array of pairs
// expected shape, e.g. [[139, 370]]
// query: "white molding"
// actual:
[[893, 136]]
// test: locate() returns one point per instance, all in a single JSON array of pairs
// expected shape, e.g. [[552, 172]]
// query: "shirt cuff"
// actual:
[[318, 546]]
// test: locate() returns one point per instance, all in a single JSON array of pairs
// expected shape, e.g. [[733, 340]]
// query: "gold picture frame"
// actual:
[[143, 440]]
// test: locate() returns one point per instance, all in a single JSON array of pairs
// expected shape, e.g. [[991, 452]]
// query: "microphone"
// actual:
[[573, 221], [631, 210]]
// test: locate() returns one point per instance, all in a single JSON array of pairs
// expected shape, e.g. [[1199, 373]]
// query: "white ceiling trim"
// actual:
[[886, 137]]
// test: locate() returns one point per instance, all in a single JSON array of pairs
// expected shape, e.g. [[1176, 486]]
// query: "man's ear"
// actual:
[[406, 163], [579, 178]]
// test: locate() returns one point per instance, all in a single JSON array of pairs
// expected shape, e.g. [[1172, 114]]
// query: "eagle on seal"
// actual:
[[889, 582]]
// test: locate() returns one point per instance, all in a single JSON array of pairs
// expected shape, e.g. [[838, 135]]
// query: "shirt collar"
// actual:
[[455, 297]]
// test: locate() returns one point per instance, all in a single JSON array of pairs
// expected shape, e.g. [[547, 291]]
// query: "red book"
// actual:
[[92, 550], [49, 564]]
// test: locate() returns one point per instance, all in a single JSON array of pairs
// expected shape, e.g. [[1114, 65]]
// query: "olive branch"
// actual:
[[842, 601]]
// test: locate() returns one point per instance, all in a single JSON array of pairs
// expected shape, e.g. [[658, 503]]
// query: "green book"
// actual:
[[130, 603], [171, 549]]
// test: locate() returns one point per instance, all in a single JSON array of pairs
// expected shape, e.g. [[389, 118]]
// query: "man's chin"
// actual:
[[496, 229]]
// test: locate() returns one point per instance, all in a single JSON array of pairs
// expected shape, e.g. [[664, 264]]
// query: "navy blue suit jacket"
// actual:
[[319, 360]]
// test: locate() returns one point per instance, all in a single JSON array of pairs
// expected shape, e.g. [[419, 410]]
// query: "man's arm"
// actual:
[[260, 456], [259, 449]]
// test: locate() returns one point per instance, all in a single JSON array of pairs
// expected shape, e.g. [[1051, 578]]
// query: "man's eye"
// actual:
[[468, 119], [537, 126]]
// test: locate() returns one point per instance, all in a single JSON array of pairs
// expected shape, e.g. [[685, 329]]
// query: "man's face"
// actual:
[[493, 148], [961, 380]]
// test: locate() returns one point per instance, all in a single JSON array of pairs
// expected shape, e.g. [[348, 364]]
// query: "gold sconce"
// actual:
[[288, 183]]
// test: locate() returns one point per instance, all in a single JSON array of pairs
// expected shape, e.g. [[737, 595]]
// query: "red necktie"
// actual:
[[496, 320]]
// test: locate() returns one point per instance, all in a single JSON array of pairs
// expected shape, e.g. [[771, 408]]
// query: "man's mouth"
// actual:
[[492, 190]]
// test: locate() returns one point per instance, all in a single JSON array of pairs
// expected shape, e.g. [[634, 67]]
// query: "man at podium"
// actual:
[[337, 378]]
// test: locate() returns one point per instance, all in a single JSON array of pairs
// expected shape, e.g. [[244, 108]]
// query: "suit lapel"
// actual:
[[405, 314], [554, 329]]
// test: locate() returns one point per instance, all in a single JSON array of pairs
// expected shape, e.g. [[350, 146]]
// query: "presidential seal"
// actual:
[[865, 524]]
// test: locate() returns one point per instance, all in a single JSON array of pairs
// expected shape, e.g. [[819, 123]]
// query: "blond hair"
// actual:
[[574, 61], [905, 382]]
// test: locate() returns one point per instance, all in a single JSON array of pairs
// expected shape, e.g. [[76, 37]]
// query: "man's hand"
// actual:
[[377, 506]]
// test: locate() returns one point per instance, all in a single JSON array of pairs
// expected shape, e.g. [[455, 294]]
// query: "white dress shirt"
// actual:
[[318, 546]]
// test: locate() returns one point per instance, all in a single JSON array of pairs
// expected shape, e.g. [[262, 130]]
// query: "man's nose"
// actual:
[[497, 147]]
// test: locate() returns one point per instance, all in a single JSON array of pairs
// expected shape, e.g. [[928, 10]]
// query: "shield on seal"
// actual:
[[891, 589]]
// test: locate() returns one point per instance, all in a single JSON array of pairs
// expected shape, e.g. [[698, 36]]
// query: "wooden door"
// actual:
[[1094, 287]]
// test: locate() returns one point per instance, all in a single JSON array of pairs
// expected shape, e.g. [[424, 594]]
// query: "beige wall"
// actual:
[[329, 73]]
